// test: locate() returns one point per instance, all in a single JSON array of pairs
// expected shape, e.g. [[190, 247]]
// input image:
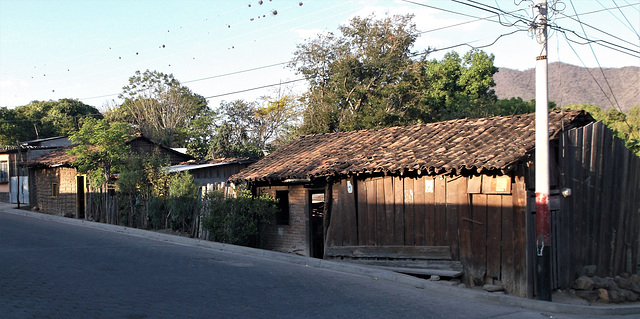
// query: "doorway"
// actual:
[[80, 197], [316, 223]]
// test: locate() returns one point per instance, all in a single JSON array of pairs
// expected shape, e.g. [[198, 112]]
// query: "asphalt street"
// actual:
[[51, 269]]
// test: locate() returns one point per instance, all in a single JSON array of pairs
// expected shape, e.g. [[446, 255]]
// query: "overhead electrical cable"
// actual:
[[616, 105]]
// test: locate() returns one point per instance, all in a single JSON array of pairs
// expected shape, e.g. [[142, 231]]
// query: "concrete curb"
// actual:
[[376, 273]]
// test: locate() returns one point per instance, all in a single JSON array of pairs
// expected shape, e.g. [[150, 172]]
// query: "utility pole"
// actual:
[[543, 214]]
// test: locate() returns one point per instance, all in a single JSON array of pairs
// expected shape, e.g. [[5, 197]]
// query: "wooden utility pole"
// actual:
[[543, 214]]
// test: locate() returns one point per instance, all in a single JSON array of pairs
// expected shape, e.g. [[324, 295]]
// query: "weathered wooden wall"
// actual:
[[599, 223], [484, 230]]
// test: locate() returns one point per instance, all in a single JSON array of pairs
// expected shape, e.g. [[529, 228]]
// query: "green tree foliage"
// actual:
[[248, 128], [368, 77], [43, 119], [101, 149], [240, 220], [159, 107], [183, 204], [625, 125], [361, 79], [142, 190]]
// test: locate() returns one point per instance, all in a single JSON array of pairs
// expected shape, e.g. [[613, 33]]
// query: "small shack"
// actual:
[[58, 188], [456, 198], [212, 174]]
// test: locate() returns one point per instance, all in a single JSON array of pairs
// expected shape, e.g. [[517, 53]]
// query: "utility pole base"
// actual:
[[543, 282]]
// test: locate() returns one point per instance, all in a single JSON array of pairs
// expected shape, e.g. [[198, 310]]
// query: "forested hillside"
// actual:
[[570, 84]]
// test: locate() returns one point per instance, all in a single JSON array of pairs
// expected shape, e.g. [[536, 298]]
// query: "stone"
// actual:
[[635, 278], [628, 296], [610, 283], [603, 295], [615, 296], [492, 288], [434, 278], [623, 283], [588, 295], [635, 288], [589, 270], [598, 282], [583, 283]]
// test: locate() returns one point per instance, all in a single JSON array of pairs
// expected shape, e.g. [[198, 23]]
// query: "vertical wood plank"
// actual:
[[440, 220], [419, 212], [349, 206], [389, 208], [363, 226], [398, 193], [520, 261], [430, 211], [508, 237], [409, 212], [456, 200], [474, 270], [623, 169], [382, 237], [495, 241], [485, 237], [371, 212]]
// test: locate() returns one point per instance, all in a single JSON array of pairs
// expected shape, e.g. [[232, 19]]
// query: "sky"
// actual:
[[227, 50]]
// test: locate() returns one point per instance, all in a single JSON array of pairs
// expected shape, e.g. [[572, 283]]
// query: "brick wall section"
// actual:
[[290, 238], [65, 203]]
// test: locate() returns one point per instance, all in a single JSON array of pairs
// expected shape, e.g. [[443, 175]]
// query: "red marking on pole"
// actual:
[[543, 218]]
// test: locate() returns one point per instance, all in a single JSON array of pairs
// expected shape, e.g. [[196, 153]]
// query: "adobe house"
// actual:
[[457, 198], [57, 187]]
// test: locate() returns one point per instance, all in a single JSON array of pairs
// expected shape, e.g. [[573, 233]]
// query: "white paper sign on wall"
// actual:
[[428, 186]]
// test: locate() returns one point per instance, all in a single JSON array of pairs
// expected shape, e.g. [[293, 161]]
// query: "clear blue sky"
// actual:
[[88, 49]]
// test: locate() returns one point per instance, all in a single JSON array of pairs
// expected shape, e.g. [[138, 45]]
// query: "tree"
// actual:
[[162, 109], [362, 79], [368, 77], [43, 119], [101, 149], [248, 128], [626, 126]]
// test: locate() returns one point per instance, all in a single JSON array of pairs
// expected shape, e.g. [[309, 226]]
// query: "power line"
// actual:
[[597, 61]]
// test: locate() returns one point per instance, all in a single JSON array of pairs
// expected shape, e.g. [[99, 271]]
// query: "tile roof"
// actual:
[[495, 143], [56, 157]]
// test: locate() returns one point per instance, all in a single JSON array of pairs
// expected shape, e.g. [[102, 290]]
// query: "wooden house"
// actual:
[[58, 188], [457, 197]]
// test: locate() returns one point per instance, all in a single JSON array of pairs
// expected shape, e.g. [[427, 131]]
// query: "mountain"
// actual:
[[570, 84]]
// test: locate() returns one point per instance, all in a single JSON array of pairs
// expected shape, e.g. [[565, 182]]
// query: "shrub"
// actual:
[[240, 220]]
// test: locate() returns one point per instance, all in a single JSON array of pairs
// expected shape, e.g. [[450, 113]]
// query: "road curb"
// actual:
[[378, 274]]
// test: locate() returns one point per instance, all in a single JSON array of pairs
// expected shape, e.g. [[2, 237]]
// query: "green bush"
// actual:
[[238, 221], [183, 203]]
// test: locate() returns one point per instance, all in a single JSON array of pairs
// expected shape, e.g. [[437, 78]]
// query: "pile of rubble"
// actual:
[[622, 288]]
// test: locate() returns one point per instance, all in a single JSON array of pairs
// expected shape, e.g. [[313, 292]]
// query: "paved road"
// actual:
[[57, 270]]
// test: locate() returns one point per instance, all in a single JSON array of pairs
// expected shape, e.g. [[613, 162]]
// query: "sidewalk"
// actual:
[[435, 286]]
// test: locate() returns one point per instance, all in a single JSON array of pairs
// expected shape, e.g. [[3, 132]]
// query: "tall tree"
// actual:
[[161, 108], [246, 129], [42, 119], [361, 79], [369, 77]]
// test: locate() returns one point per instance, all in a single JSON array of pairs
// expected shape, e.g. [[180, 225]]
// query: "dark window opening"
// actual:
[[282, 218], [4, 172], [55, 190]]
